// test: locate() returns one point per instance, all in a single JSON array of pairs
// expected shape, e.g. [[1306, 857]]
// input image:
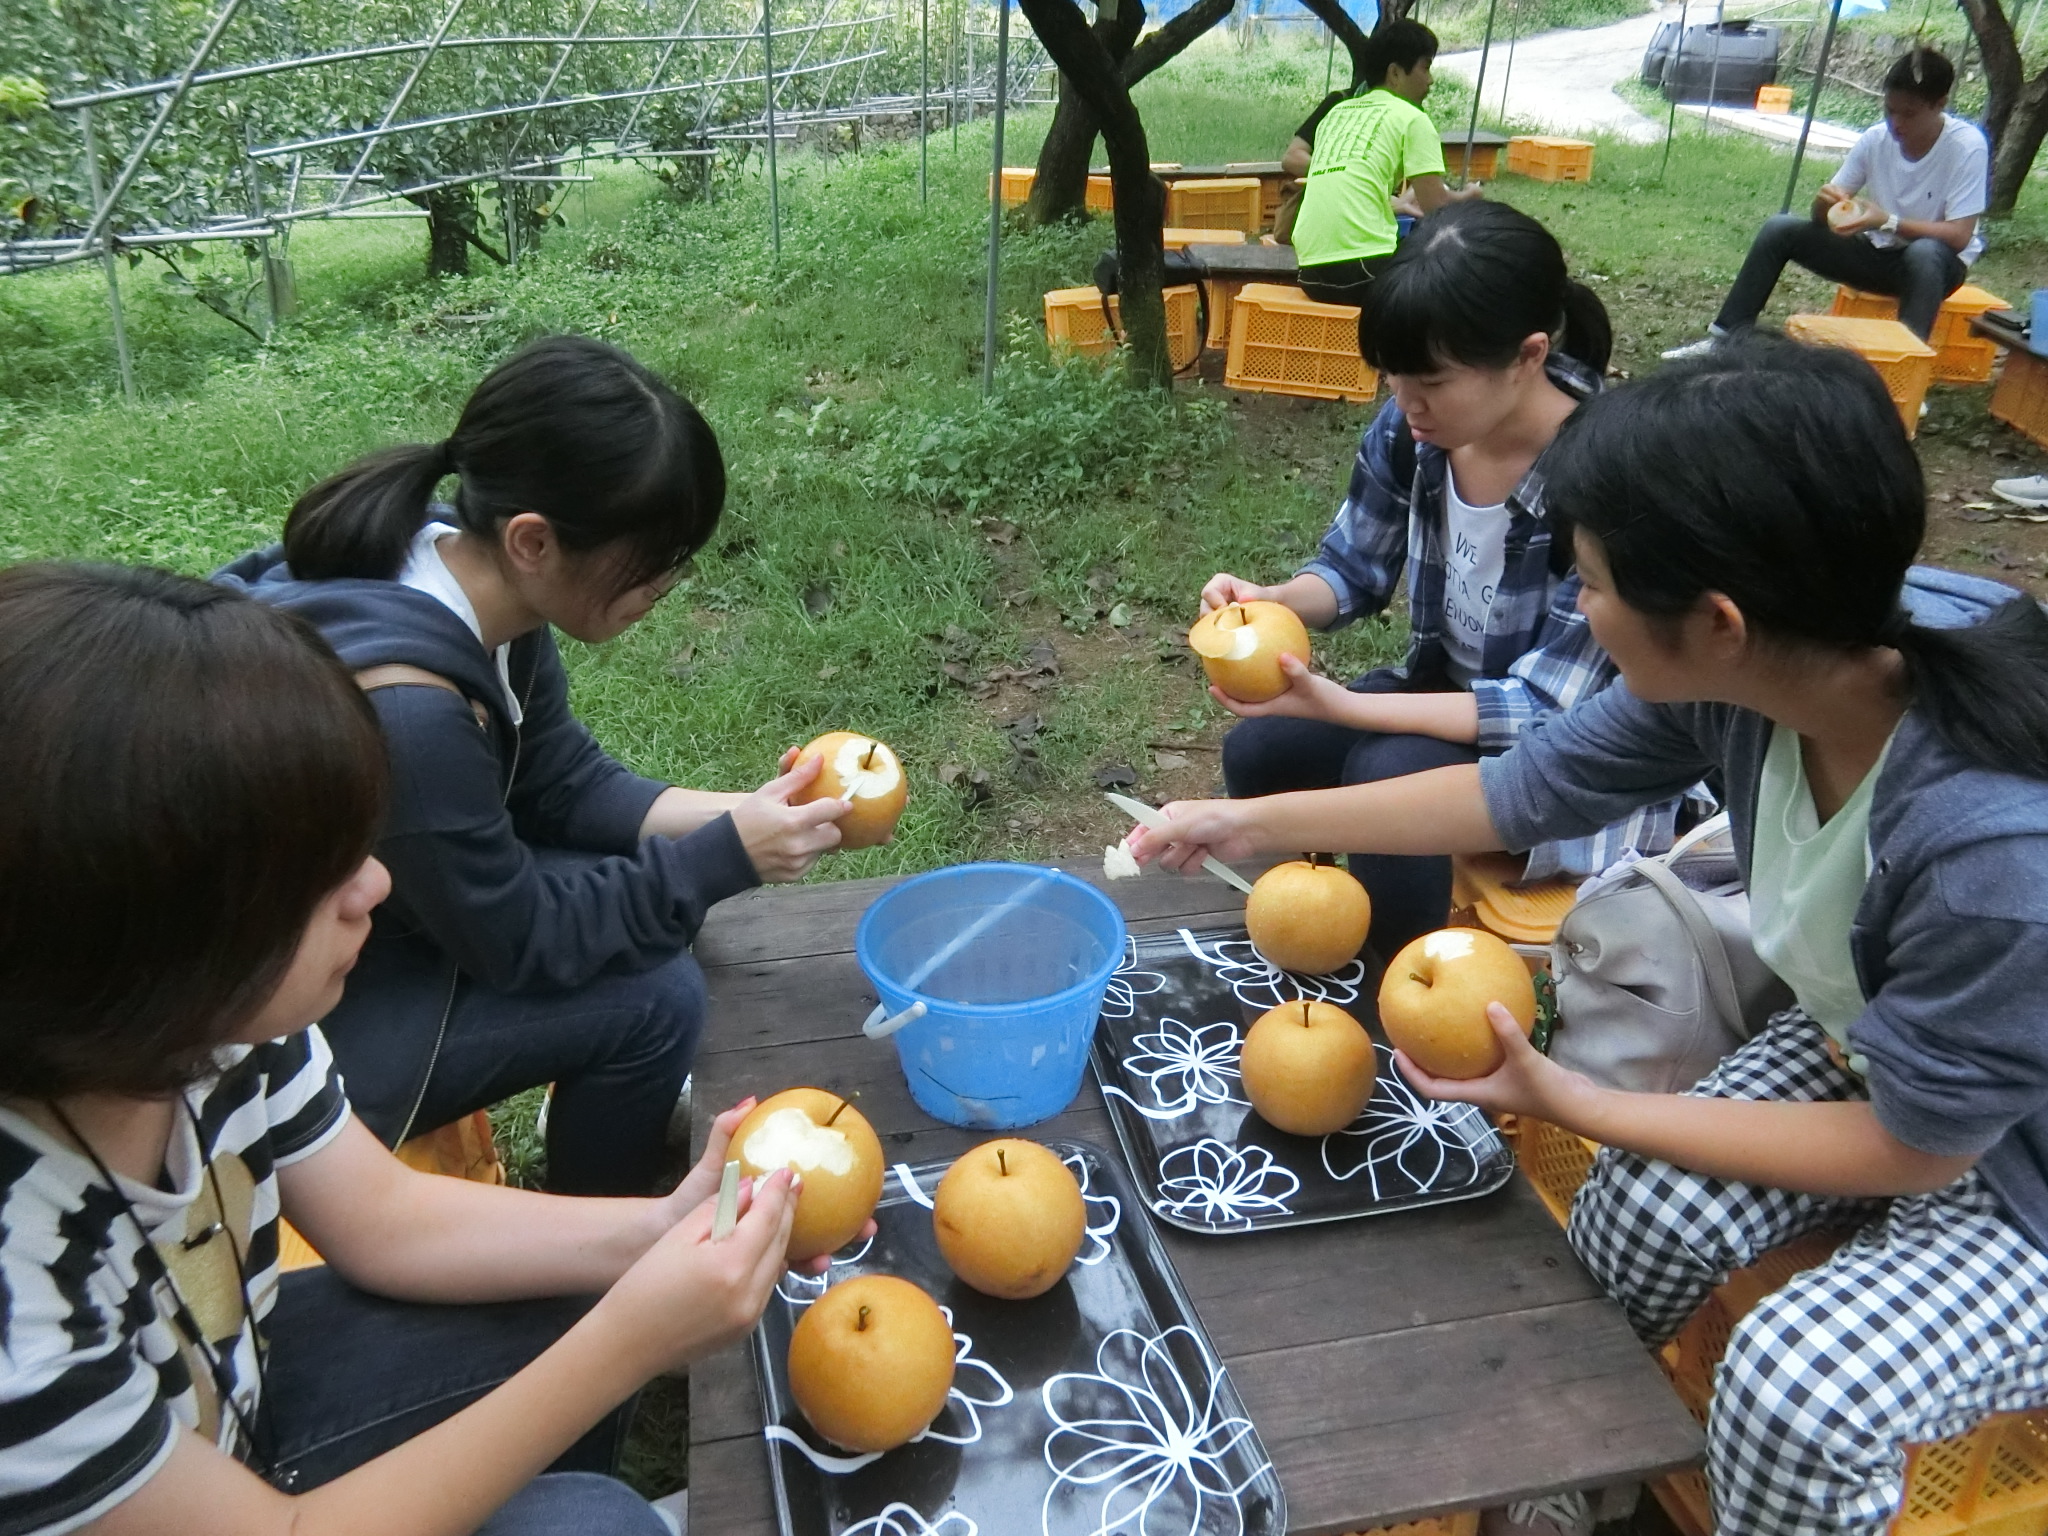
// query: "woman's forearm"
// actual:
[[1817, 1149], [414, 1236], [1446, 716], [678, 812], [1310, 597], [1441, 811]]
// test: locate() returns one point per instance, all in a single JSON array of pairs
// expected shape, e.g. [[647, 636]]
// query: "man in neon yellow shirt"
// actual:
[[1365, 148]]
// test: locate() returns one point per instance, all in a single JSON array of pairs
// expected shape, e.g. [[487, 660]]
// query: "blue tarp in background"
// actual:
[[1364, 12]]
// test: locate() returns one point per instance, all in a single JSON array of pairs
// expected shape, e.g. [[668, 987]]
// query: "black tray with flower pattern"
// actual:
[[1166, 1053], [1100, 1407]]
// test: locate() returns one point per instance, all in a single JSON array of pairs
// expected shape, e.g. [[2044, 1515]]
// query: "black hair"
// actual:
[[1471, 284], [189, 773], [567, 427], [1405, 43], [1922, 72], [1780, 476]]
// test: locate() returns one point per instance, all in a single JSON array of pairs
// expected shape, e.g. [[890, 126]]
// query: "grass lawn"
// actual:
[[995, 586]]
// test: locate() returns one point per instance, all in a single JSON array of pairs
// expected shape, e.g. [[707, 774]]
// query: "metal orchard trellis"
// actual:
[[512, 111]]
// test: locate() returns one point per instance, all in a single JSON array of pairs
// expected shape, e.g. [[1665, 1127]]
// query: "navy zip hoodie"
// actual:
[[478, 809]]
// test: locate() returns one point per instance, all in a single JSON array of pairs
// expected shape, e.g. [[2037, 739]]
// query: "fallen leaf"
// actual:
[[1166, 762], [1116, 776], [817, 598], [826, 673], [1023, 728], [1974, 515], [950, 774], [1120, 616], [1981, 506], [1101, 579], [957, 670], [1042, 657]]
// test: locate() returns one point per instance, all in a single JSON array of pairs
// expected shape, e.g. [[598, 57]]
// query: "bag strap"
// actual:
[[398, 674], [1712, 827], [1705, 941]]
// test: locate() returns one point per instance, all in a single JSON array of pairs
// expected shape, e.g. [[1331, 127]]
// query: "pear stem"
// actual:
[[868, 757], [1002, 1164], [1304, 1013], [860, 1324], [837, 1113]]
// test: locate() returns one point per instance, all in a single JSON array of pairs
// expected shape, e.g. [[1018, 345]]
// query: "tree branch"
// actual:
[[1171, 40], [1331, 13]]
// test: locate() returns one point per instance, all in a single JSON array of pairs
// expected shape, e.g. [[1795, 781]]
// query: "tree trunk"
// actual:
[[451, 216], [1060, 190], [2015, 108], [1331, 13], [1140, 198]]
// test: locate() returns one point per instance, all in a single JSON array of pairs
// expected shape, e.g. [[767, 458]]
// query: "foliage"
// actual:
[[1049, 433]]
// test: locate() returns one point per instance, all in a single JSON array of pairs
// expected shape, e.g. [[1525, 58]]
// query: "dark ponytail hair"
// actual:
[[567, 427], [1405, 43], [1780, 476], [1471, 284]]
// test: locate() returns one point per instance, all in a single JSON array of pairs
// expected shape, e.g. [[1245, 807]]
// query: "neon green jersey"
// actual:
[[1365, 148]]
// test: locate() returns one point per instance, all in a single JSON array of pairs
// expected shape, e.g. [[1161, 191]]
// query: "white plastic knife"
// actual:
[[1145, 816]]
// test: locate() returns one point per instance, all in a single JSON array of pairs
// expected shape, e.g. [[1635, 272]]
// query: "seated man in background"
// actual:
[[1365, 147], [1899, 217]]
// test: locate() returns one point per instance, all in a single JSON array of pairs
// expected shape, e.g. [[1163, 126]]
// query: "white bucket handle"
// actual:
[[879, 1028]]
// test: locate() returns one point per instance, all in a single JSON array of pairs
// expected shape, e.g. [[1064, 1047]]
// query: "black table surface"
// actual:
[[2008, 328], [1251, 263], [1396, 1367]]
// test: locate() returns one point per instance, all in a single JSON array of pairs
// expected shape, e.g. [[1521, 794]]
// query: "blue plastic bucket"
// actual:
[[1010, 962]]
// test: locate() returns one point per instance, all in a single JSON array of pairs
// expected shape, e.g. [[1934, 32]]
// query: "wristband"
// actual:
[[1890, 225]]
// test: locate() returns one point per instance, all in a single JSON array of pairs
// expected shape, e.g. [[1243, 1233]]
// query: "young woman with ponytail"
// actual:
[[544, 897], [1745, 526], [1489, 347]]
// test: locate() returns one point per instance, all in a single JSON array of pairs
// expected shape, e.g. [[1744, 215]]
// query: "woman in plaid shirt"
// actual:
[[1488, 346]]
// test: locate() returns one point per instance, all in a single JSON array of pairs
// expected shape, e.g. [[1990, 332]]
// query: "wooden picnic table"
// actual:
[[1253, 263], [1395, 1366]]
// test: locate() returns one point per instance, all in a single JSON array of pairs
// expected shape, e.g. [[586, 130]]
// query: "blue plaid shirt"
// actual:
[[1538, 654]]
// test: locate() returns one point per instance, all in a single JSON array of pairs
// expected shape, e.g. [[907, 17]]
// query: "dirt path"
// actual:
[[1564, 80]]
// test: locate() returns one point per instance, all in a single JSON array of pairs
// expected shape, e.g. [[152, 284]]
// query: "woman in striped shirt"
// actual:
[[194, 784]]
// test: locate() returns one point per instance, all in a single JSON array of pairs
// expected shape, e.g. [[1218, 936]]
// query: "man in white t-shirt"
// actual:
[[1900, 216]]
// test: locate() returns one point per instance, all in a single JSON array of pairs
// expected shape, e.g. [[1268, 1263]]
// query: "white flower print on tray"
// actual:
[[1146, 1444], [1207, 1162], [901, 1519]]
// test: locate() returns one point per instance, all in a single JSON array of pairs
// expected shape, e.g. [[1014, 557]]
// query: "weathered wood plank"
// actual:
[[730, 1492], [1377, 1430], [791, 921]]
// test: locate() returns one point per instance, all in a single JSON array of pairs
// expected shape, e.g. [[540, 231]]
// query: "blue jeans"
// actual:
[[616, 1048], [1410, 896], [1919, 274], [350, 1376]]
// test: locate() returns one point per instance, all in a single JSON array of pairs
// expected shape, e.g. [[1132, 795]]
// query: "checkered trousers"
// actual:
[[1933, 1315]]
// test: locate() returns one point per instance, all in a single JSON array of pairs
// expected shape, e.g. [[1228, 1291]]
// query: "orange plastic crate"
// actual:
[[1180, 239], [1902, 360], [1223, 202], [1488, 886], [1017, 183], [1555, 1160], [1284, 343], [2021, 399], [1073, 322], [1485, 160], [1223, 292], [1774, 98], [1549, 159], [1099, 199], [1271, 182], [1961, 357], [1465, 1523]]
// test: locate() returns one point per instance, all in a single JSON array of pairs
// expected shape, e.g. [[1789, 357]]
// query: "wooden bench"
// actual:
[[1397, 1367]]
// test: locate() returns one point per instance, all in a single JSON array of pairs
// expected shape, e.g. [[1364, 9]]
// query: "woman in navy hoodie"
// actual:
[[544, 897], [1745, 524]]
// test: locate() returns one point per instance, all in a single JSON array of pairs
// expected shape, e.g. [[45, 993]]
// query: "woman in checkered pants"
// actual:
[[1745, 526]]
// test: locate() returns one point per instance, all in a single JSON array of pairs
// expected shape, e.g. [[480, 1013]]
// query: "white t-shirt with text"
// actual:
[[1951, 181], [1475, 553]]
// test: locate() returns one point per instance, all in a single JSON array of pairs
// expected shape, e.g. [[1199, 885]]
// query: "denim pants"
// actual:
[[1341, 282], [617, 1050], [350, 1376], [1919, 274], [1410, 896]]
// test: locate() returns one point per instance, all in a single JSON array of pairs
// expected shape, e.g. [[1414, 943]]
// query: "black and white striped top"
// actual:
[[95, 1376]]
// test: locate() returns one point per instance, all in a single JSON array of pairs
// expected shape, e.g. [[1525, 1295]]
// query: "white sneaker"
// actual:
[[1699, 348], [674, 1511], [2028, 491]]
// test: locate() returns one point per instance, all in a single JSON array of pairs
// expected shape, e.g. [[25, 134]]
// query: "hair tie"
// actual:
[[444, 456], [1894, 630]]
